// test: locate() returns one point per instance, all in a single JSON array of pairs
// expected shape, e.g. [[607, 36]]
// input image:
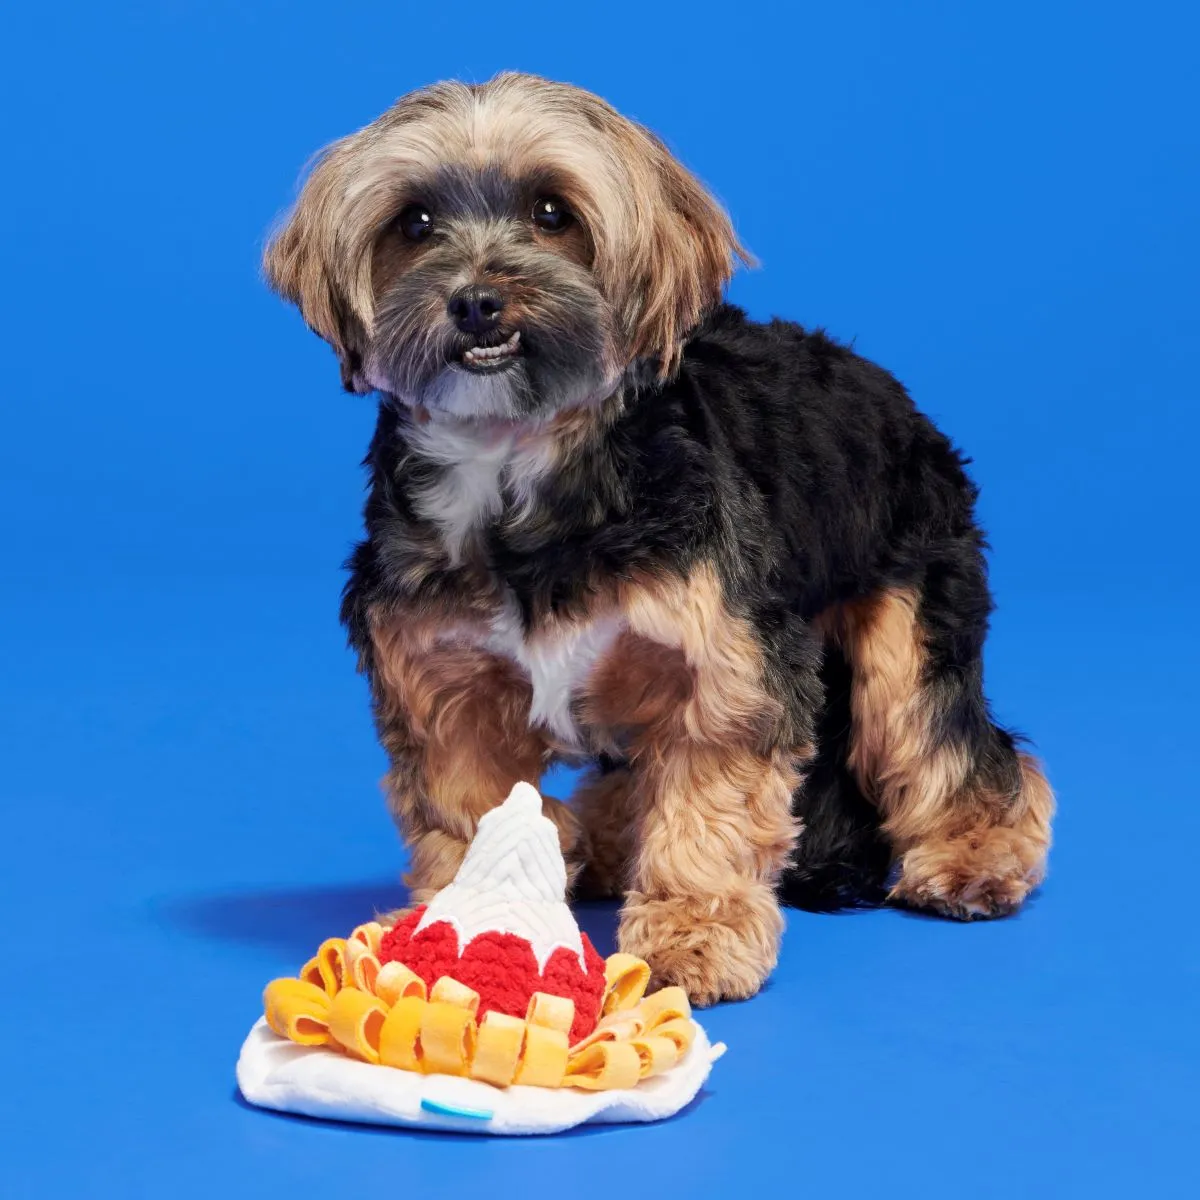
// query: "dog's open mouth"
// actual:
[[493, 358]]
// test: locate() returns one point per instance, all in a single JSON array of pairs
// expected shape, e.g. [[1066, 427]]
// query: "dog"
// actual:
[[612, 521]]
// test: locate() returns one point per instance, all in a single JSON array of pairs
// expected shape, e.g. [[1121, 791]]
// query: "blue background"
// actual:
[[999, 202]]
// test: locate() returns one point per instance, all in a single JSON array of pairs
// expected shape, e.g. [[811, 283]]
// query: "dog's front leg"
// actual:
[[454, 720], [706, 797], [714, 833]]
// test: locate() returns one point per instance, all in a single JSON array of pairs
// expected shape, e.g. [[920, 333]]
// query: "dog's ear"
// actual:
[[684, 251], [305, 261]]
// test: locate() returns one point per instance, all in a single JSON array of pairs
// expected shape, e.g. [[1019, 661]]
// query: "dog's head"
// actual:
[[501, 251]]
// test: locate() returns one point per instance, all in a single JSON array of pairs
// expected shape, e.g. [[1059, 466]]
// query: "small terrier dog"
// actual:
[[613, 521]]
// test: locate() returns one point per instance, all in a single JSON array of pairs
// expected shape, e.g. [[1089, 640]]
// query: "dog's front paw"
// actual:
[[715, 948]]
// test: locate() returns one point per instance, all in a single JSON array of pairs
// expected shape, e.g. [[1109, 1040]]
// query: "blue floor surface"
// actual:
[[998, 203]]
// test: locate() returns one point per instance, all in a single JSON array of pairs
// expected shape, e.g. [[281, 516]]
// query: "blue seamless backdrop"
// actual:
[[996, 202]]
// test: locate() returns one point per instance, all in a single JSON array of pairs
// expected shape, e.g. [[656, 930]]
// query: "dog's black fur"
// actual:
[[806, 475]]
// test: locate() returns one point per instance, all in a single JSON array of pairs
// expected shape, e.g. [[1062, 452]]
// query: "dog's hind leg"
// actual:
[[842, 857], [967, 814]]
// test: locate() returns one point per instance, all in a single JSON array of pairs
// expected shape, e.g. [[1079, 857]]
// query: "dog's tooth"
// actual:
[[486, 354]]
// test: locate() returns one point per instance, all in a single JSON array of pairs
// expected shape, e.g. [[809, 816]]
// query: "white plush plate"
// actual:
[[317, 1082]]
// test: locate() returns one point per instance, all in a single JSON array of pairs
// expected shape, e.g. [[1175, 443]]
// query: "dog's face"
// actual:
[[484, 299], [502, 251]]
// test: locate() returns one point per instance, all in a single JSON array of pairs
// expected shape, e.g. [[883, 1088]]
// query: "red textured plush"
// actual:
[[501, 967]]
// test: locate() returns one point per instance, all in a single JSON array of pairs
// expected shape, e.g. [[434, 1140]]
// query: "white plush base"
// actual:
[[318, 1082]]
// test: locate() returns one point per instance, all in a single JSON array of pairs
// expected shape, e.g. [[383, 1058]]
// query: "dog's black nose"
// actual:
[[475, 309]]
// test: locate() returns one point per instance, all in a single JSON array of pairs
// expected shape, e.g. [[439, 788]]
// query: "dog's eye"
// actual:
[[551, 215], [415, 222]]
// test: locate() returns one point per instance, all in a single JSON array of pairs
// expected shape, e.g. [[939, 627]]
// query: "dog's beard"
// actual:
[[466, 395], [518, 392], [567, 351]]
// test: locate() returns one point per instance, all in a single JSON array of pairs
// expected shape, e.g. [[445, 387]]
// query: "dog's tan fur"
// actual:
[[696, 830], [659, 245], [710, 788], [605, 804], [455, 722], [963, 849]]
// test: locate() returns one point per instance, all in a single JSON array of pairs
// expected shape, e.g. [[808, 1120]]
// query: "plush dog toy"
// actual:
[[487, 1009]]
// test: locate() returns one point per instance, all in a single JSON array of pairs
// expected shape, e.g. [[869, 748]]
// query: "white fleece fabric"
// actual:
[[512, 880], [318, 1082]]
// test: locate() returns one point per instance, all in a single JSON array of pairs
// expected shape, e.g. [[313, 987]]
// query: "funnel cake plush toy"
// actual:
[[486, 1009]]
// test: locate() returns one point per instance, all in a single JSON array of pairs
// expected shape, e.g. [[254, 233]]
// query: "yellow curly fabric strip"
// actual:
[[396, 980], [499, 1042], [626, 978], [604, 1065], [618, 1028], [551, 1012], [447, 1038], [311, 973], [626, 1025], [680, 1030], [543, 1061], [297, 1010], [370, 934], [331, 964], [667, 1005], [449, 991], [399, 1044], [657, 1054], [356, 1021], [362, 967]]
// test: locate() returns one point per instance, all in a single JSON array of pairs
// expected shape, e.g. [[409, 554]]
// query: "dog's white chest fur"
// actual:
[[467, 494], [557, 663], [481, 470]]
